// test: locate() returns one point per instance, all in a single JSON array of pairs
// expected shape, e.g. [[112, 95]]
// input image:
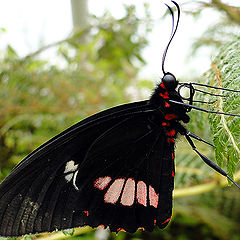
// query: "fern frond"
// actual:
[[225, 72]]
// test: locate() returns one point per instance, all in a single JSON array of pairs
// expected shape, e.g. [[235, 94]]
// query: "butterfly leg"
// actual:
[[190, 134], [208, 161], [183, 131]]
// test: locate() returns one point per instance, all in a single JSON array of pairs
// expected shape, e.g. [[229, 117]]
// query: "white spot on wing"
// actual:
[[71, 172], [69, 177], [74, 180], [70, 167]]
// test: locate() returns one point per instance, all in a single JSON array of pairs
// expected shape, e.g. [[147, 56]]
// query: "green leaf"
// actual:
[[225, 72], [3, 29], [11, 52], [68, 232], [28, 238]]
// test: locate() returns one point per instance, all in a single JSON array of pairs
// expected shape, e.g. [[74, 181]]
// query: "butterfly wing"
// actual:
[[27, 185], [127, 177], [55, 186]]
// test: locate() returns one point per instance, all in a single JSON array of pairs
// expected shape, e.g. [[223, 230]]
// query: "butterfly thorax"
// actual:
[[165, 91]]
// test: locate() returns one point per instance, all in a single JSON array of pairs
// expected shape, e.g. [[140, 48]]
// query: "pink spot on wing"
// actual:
[[142, 193], [86, 212], [102, 182], [128, 194], [166, 221], [121, 229], [114, 191], [154, 222], [101, 226], [153, 197]]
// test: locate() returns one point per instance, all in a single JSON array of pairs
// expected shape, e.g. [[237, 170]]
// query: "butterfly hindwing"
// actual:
[[127, 176]]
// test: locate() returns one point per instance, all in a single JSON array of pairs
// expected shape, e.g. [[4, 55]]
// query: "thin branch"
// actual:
[[77, 35], [203, 188], [232, 12], [60, 235]]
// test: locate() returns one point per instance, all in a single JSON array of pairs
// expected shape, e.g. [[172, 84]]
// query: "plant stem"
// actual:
[[202, 188]]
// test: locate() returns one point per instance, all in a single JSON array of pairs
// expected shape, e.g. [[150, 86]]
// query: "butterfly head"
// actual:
[[169, 81]]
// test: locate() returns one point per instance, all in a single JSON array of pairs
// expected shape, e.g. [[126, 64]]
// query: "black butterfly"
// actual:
[[114, 169]]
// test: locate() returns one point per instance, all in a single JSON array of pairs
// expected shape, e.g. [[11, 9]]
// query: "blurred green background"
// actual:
[[97, 67]]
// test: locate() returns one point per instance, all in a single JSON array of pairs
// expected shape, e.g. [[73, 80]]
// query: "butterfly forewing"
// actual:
[[90, 122], [108, 170]]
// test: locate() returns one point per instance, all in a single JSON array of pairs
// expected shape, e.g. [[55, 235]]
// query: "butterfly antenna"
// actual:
[[190, 86], [172, 33], [205, 85], [209, 162], [202, 109], [209, 102], [212, 94]]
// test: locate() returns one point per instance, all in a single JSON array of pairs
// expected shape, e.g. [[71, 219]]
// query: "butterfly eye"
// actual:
[[169, 81]]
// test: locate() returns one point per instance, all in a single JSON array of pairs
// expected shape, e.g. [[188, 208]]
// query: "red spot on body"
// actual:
[[102, 182], [121, 229], [166, 221], [167, 105], [171, 133], [86, 212], [165, 95], [153, 197], [162, 86], [173, 174], [173, 157], [170, 140], [155, 222], [142, 193], [170, 116], [114, 191], [166, 124], [128, 194]]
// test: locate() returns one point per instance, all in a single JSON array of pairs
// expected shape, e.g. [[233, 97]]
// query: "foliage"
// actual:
[[39, 99], [225, 72]]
